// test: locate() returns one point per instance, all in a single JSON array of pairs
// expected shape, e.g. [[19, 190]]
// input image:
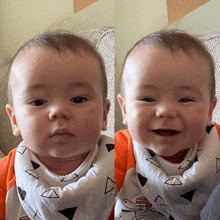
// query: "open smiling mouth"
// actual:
[[166, 132]]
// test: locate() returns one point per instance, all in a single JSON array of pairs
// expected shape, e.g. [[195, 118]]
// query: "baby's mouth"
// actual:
[[166, 132]]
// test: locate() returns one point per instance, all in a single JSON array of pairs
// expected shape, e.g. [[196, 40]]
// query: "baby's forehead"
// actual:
[[146, 53], [139, 55], [30, 53], [153, 56], [33, 61]]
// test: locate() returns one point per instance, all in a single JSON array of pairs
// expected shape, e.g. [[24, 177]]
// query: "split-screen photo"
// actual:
[[109, 110]]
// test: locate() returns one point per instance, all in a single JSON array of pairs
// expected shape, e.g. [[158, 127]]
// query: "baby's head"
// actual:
[[57, 95], [168, 92]]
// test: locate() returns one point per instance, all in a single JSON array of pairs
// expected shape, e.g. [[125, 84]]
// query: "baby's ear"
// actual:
[[121, 101], [106, 109], [11, 115], [211, 109]]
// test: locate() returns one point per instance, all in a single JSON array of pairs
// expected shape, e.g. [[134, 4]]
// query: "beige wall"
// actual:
[[202, 21], [20, 20], [137, 18]]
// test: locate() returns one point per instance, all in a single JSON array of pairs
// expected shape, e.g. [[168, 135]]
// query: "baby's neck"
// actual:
[[63, 166], [177, 158]]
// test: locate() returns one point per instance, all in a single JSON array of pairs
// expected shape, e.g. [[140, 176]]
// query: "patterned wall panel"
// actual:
[[178, 8], [81, 4]]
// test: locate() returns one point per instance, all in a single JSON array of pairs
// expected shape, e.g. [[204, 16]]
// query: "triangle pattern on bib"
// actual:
[[36, 213], [209, 128], [151, 153], [185, 165], [173, 182], [68, 213], [189, 195], [32, 173], [50, 194], [142, 179], [152, 162], [160, 201], [110, 147], [21, 150], [35, 165], [68, 179], [110, 185]]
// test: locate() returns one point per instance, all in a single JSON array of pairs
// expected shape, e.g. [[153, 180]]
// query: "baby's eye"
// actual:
[[38, 102], [78, 99], [147, 99], [186, 100]]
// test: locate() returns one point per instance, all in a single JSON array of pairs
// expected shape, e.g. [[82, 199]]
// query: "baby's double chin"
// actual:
[[62, 166], [176, 158], [54, 159]]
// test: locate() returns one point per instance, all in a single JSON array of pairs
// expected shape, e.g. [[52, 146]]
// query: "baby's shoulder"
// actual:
[[218, 129], [7, 173], [124, 149], [124, 156], [123, 142], [123, 137]]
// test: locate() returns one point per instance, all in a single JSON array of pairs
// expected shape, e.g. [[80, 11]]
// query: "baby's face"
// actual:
[[166, 105], [58, 105]]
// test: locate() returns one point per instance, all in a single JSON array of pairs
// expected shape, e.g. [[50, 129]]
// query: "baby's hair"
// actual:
[[60, 41], [175, 40]]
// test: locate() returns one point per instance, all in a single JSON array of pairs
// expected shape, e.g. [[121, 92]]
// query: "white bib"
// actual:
[[87, 193], [162, 190]]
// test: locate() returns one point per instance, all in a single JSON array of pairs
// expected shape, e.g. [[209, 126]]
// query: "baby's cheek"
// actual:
[[198, 117], [92, 116], [137, 124], [90, 126], [197, 129], [133, 110]]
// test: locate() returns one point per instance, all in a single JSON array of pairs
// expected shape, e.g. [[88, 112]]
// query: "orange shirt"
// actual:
[[7, 179]]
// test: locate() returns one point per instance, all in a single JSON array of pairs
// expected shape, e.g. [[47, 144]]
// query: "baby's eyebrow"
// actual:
[[189, 88], [35, 87], [79, 84], [145, 86], [83, 84]]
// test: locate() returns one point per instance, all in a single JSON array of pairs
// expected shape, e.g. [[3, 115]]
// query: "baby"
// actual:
[[167, 163], [57, 102]]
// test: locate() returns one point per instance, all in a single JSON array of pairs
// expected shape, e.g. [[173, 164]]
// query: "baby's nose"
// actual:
[[166, 110], [59, 111]]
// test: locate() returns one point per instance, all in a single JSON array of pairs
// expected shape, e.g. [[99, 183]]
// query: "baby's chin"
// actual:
[[62, 152], [54, 158]]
